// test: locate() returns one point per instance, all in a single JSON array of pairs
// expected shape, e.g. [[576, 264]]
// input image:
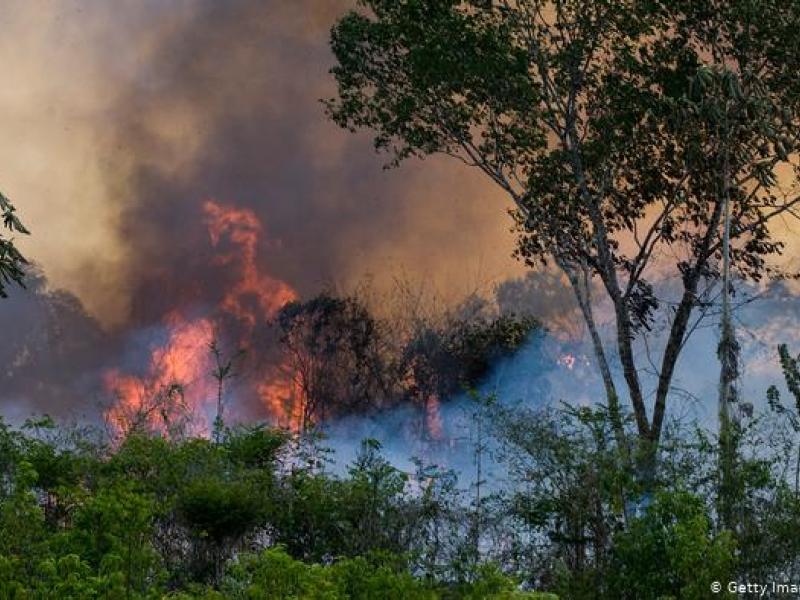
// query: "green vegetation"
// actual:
[[190, 518], [12, 263], [628, 135], [261, 513]]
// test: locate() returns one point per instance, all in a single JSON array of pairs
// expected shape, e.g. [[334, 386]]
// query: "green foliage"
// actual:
[[602, 121], [256, 447], [249, 516], [676, 534], [378, 575], [12, 263], [577, 105], [21, 514], [218, 510], [113, 530], [154, 516], [274, 575], [373, 496], [67, 577], [790, 366]]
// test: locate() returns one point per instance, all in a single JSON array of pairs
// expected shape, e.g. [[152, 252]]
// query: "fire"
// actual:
[[567, 360], [243, 228], [177, 386], [282, 398]]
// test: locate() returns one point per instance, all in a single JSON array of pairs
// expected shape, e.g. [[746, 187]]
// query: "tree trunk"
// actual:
[[582, 291], [607, 272], [728, 352], [681, 322]]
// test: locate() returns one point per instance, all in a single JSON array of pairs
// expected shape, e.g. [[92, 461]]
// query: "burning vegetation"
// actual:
[[177, 390], [331, 357]]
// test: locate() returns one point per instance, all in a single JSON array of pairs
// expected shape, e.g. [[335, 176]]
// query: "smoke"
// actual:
[[49, 353], [534, 377], [551, 369], [121, 120], [232, 112]]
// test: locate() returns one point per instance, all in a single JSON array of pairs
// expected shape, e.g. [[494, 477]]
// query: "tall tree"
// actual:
[[617, 128], [12, 263]]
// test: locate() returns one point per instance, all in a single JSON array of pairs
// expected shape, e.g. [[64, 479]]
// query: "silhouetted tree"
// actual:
[[337, 356], [601, 121], [445, 359]]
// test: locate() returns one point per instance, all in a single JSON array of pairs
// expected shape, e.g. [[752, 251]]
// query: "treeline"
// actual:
[[337, 355], [260, 513], [345, 359], [254, 515]]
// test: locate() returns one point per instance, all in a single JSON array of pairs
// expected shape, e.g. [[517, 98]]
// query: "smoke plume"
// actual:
[[122, 120]]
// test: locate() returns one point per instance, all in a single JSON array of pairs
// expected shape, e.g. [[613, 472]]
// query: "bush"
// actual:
[[670, 552]]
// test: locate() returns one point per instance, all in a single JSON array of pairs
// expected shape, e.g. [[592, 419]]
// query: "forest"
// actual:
[[263, 512], [530, 442]]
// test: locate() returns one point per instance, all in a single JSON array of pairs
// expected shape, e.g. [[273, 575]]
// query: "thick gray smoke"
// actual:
[[237, 86], [49, 352], [151, 108]]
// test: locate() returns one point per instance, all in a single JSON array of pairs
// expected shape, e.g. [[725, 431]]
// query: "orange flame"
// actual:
[[176, 383], [243, 228], [178, 380], [282, 397]]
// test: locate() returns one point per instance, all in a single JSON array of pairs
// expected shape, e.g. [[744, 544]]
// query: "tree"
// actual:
[[222, 372], [336, 352], [677, 535], [790, 366], [602, 121], [219, 513], [12, 263], [374, 491], [443, 359]]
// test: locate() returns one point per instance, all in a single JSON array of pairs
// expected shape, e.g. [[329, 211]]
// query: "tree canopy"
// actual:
[[617, 129]]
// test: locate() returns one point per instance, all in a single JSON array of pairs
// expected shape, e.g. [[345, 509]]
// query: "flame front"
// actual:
[[178, 390], [176, 387], [243, 228], [283, 399]]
